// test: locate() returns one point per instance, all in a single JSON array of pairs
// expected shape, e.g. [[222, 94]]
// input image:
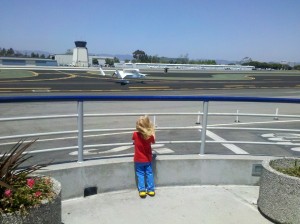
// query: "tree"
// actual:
[[69, 51], [109, 61], [297, 67], [246, 60], [154, 59], [116, 60], [265, 65], [183, 59], [3, 52], [95, 61], [140, 56], [10, 52]]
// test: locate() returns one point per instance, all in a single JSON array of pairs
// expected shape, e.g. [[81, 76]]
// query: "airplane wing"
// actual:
[[102, 72]]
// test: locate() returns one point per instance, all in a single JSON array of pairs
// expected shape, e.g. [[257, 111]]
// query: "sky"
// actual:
[[264, 30]]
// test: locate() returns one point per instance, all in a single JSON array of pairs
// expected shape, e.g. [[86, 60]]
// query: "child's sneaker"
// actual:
[[142, 194], [151, 193]]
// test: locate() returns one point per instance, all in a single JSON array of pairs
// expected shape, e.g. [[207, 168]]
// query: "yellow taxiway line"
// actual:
[[149, 87]]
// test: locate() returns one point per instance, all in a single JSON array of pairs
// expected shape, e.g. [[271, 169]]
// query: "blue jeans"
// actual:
[[142, 171]]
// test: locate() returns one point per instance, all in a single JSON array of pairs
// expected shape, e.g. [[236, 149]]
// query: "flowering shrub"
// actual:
[[26, 193], [18, 189]]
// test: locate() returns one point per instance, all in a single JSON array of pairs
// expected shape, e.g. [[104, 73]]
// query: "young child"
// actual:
[[143, 138]]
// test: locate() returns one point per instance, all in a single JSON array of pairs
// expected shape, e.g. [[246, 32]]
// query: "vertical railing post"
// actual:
[[237, 117], [204, 124], [80, 130], [198, 118], [276, 114]]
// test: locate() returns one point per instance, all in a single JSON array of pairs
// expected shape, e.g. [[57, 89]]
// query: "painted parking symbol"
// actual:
[[289, 138], [158, 148]]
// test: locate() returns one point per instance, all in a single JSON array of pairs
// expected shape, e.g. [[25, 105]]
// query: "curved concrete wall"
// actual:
[[118, 173]]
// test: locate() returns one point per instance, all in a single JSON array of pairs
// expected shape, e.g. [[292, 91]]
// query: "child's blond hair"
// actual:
[[145, 126]]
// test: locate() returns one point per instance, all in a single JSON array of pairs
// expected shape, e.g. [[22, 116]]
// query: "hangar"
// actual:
[[67, 60], [14, 61]]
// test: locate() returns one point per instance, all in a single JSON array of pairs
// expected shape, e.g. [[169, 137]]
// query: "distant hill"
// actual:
[[226, 62]]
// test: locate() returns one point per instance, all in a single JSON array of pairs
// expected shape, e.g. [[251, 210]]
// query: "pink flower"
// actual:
[[38, 194], [8, 193], [30, 182]]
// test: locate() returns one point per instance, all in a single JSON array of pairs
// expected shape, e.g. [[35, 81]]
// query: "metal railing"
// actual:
[[203, 127]]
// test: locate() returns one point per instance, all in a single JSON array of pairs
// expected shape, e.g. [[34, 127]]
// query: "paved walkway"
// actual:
[[184, 205]]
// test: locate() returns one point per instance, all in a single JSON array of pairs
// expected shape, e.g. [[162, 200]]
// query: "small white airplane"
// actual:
[[126, 74]]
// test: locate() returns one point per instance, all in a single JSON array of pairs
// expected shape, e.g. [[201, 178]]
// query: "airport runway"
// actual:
[[59, 81]]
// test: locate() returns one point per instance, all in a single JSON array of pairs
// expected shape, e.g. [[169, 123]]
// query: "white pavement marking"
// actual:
[[297, 149], [157, 145], [287, 138], [231, 147], [158, 148], [163, 150], [269, 135], [277, 139], [91, 151], [258, 122], [71, 137]]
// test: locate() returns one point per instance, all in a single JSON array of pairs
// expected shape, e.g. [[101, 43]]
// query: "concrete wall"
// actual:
[[64, 59], [118, 173]]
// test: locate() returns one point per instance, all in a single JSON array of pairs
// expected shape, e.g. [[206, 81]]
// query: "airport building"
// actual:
[[14, 61], [80, 57], [67, 60]]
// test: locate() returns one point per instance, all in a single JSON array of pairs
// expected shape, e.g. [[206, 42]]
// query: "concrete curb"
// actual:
[[106, 175]]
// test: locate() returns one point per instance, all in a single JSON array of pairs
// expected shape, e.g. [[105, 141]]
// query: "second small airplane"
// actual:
[[126, 74]]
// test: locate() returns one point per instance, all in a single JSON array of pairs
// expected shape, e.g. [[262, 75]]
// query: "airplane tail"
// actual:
[[102, 72]]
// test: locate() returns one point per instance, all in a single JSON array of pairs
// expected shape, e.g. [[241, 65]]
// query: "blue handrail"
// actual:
[[20, 99]]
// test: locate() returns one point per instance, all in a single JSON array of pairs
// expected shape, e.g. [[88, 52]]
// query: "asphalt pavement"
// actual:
[[64, 81]]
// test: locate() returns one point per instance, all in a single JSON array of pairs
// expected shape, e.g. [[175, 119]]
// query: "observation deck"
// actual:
[[191, 188]]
